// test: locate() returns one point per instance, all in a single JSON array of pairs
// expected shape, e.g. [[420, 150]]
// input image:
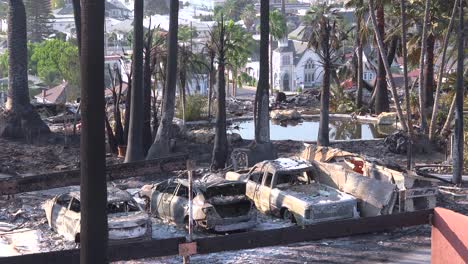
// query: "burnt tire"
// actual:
[[287, 215]]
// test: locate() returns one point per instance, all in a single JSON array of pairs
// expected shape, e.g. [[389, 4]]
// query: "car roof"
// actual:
[[113, 195], [207, 182], [285, 165]]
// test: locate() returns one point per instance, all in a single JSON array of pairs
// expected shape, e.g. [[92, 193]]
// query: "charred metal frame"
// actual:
[[247, 240]]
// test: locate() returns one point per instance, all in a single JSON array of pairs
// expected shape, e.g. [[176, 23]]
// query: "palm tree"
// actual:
[[160, 145], [278, 30], [383, 53], [325, 36], [148, 70], [248, 16], [261, 113], [220, 151], [422, 93], [381, 97], [441, 71], [458, 142], [20, 119], [360, 66], [93, 191], [135, 134], [238, 49]]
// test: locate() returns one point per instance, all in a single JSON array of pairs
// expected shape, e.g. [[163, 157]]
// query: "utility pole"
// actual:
[[94, 232], [458, 139]]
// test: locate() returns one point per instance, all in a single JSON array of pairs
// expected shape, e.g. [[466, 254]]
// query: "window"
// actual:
[[268, 177], [64, 200], [309, 72], [75, 205], [285, 60], [183, 191]]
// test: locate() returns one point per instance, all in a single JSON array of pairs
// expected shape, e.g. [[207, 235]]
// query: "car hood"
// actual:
[[126, 220]]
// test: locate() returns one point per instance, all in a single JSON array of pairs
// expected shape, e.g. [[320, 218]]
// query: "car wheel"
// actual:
[[287, 215]]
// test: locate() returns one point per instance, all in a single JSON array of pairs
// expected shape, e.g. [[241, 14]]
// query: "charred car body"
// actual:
[[284, 187], [217, 205], [126, 219]]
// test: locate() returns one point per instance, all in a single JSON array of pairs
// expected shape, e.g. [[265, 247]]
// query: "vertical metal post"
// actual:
[[190, 168], [93, 192]]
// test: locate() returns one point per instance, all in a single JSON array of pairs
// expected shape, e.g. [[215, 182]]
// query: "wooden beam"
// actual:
[[20, 184], [238, 241]]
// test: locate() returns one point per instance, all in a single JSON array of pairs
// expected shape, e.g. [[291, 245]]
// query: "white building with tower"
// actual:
[[295, 66]]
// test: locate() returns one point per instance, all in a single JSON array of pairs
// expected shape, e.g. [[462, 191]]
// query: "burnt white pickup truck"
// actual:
[[285, 187]]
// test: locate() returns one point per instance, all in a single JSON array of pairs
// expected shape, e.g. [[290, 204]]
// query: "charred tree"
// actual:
[[160, 145], [220, 148], [381, 97], [458, 142], [262, 117], [429, 72], [148, 72], [135, 133], [20, 120]]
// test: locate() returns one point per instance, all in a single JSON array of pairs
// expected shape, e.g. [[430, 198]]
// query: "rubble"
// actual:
[[308, 97], [397, 142], [207, 135], [386, 118], [283, 115]]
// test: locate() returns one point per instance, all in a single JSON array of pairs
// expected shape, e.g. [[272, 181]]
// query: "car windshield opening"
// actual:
[[122, 207], [291, 179]]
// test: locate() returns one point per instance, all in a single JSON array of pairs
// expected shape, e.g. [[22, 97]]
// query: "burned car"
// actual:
[[126, 219], [218, 205], [285, 187]]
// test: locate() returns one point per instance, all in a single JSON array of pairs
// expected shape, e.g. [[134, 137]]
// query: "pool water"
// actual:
[[308, 130]]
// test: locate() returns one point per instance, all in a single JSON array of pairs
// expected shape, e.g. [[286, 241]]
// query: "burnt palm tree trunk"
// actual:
[[383, 53], [429, 72], [220, 151], [441, 71], [323, 133], [458, 142], [270, 48], [148, 72], [20, 119], [262, 126], [94, 232], [405, 78], [360, 66], [160, 145], [212, 81], [77, 17], [422, 93], [135, 133], [381, 96]]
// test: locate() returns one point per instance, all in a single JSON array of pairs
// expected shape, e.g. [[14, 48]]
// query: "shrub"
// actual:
[[195, 108]]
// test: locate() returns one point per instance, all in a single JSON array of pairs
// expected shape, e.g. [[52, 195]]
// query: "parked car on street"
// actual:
[[126, 219], [286, 188], [218, 205]]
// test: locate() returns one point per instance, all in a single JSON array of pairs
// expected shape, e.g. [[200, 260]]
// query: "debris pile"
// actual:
[[397, 142], [207, 135], [307, 98], [237, 107], [283, 115]]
